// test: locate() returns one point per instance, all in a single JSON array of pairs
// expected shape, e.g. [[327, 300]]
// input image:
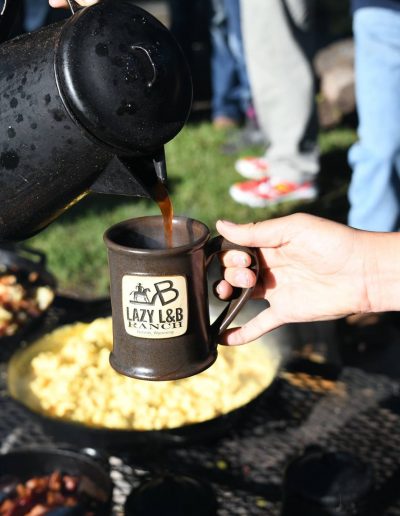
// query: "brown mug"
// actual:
[[159, 297]]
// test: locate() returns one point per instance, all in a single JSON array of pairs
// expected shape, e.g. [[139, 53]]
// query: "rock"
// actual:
[[336, 55], [335, 67], [337, 87], [328, 115]]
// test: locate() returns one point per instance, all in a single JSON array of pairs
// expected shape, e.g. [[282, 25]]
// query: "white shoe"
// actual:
[[252, 167], [268, 192]]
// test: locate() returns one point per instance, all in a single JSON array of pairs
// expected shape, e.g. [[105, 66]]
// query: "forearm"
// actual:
[[382, 271]]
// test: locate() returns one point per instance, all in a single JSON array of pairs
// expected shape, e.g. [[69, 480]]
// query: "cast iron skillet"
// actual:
[[144, 441], [32, 462], [24, 260], [109, 439]]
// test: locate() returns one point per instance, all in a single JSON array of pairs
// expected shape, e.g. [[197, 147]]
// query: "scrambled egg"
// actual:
[[73, 380]]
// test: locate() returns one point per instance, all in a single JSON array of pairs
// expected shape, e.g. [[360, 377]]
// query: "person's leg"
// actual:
[[35, 14], [181, 13], [235, 42], [373, 191], [278, 39], [225, 103]]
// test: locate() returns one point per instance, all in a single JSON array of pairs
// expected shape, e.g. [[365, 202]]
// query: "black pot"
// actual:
[[23, 261], [146, 442], [32, 462], [109, 82]]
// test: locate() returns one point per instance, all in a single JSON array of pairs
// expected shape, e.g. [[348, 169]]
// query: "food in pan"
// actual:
[[22, 298], [55, 494], [70, 378]]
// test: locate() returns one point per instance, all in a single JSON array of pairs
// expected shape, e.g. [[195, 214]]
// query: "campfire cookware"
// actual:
[[321, 483], [87, 105], [146, 441], [172, 495], [141, 441], [23, 261], [32, 462]]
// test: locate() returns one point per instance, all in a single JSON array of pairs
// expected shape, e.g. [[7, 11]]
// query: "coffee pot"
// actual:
[[86, 105]]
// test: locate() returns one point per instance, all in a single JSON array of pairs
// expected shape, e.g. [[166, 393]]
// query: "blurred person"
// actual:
[[374, 191], [279, 43], [35, 14], [311, 269], [189, 23], [182, 13], [231, 95]]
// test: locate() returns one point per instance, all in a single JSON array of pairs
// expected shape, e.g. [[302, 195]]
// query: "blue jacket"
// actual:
[[389, 4]]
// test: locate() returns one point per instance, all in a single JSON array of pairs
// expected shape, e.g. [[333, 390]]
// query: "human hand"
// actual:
[[64, 3], [311, 269]]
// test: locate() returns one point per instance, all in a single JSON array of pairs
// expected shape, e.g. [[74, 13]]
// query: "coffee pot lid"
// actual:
[[123, 77]]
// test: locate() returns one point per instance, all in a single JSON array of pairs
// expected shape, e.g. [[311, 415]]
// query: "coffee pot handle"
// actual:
[[219, 245], [8, 15], [74, 6]]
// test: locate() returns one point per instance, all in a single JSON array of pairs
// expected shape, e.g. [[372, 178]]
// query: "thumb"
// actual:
[[269, 233], [261, 324]]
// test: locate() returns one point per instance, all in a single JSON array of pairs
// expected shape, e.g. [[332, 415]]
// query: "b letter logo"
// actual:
[[155, 307]]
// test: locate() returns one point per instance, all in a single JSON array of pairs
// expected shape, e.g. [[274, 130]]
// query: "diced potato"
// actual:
[[44, 297], [21, 300]]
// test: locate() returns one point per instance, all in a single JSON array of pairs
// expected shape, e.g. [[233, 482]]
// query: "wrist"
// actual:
[[381, 252]]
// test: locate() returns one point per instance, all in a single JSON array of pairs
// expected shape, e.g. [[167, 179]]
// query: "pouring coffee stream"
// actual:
[[87, 105]]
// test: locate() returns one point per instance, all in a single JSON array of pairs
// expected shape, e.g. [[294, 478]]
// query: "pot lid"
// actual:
[[330, 479], [123, 77], [172, 495]]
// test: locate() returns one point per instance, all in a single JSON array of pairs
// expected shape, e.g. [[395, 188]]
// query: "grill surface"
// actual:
[[357, 412]]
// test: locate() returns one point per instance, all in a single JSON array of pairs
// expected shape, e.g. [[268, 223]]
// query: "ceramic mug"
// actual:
[[159, 297]]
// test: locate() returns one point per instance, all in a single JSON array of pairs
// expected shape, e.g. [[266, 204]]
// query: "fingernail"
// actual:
[[232, 339], [218, 288], [241, 260], [243, 279]]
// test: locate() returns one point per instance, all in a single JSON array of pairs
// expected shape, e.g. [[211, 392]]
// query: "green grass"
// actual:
[[199, 179]]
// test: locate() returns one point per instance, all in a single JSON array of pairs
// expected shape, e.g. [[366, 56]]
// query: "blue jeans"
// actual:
[[374, 192], [35, 14], [230, 84]]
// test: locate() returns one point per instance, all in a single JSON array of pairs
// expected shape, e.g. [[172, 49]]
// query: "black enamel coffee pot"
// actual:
[[86, 105]]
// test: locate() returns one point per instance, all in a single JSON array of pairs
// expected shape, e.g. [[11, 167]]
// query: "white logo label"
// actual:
[[155, 307]]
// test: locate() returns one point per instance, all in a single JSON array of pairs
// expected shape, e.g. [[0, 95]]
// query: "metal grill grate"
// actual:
[[358, 412]]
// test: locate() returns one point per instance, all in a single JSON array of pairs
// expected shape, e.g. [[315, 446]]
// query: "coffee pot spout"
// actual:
[[160, 166], [133, 177]]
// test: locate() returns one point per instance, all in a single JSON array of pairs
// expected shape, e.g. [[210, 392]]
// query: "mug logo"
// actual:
[[164, 291], [140, 295], [155, 307]]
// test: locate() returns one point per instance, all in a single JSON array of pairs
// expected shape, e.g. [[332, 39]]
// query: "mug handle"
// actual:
[[219, 245]]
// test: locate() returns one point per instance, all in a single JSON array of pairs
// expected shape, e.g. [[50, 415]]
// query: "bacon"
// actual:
[[40, 495]]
